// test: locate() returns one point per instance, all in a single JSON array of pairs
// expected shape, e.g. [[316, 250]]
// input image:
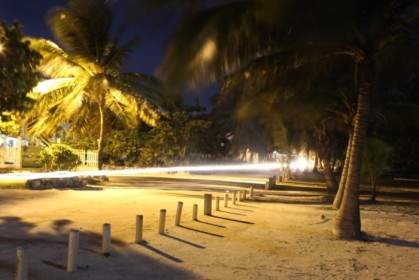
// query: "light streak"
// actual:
[[122, 172]]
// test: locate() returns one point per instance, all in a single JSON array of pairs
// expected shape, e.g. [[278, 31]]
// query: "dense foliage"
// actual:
[[10, 123], [58, 157], [18, 69], [175, 140]]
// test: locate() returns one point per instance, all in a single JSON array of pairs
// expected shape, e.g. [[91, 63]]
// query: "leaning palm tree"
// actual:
[[83, 84], [228, 37]]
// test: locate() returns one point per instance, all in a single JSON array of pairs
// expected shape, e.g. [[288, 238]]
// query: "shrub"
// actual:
[[58, 157]]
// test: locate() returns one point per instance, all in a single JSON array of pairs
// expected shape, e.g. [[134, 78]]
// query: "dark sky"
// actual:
[[145, 58], [31, 13]]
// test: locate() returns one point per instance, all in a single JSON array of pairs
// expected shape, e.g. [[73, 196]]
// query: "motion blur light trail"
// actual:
[[67, 174]]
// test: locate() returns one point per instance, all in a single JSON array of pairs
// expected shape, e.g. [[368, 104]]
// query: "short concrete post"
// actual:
[[106, 240], [162, 221], [234, 197], [240, 196], [195, 212], [73, 250], [226, 200], [178, 213], [139, 229], [217, 203], [207, 204], [22, 263], [244, 195], [19, 158], [251, 192]]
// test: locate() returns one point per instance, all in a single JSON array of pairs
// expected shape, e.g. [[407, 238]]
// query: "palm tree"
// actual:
[[83, 85], [227, 37]]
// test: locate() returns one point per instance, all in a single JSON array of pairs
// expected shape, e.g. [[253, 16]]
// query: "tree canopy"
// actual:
[[18, 68], [84, 85], [269, 46]]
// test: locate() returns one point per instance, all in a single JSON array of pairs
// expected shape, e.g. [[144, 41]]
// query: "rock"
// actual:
[[56, 183]]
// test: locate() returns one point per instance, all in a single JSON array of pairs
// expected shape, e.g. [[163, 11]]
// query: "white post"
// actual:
[[207, 204], [217, 203], [226, 200], [251, 192], [234, 197], [19, 156], [106, 240], [22, 263], [73, 250], [139, 229], [162, 220], [178, 213], [195, 212]]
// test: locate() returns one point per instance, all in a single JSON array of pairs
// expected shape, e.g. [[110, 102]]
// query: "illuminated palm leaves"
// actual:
[[83, 85]]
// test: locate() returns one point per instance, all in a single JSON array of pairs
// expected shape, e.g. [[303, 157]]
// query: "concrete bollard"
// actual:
[[106, 240], [234, 197], [207, 204], [251, 192], [217, 203], [139, 229], [244, 195], [226, 200], [22, 263], [273, 182], [195, 212], [162, 221], [178, 213], [73, 250]]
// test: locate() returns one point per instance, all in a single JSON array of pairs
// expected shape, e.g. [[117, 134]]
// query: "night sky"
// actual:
[[146, 57]]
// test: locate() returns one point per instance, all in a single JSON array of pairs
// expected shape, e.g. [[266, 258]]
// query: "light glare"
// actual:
[[67, 174]]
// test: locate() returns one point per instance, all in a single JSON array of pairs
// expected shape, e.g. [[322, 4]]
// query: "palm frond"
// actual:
[[142, 86], [56, 106], [56, 63], [123, 106], [201, 47], [118, 55], [83, 28]]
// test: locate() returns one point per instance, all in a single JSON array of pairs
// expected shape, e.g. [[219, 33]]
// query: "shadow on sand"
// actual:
[[48, 250], [390, 241]]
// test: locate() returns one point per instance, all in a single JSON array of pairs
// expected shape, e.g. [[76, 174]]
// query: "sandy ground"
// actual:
[[276, 235]]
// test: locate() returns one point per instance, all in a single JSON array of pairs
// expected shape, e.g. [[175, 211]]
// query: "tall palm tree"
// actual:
[[227, 37], [83, 84]]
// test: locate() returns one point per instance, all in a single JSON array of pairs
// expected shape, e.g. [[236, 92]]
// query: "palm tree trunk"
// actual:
[[374, 189], [342, 183], [348, 220], [101, 142], [316, 159], [331, 184]]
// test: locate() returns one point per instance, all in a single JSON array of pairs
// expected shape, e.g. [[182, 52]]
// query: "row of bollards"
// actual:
[[74, 237]]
